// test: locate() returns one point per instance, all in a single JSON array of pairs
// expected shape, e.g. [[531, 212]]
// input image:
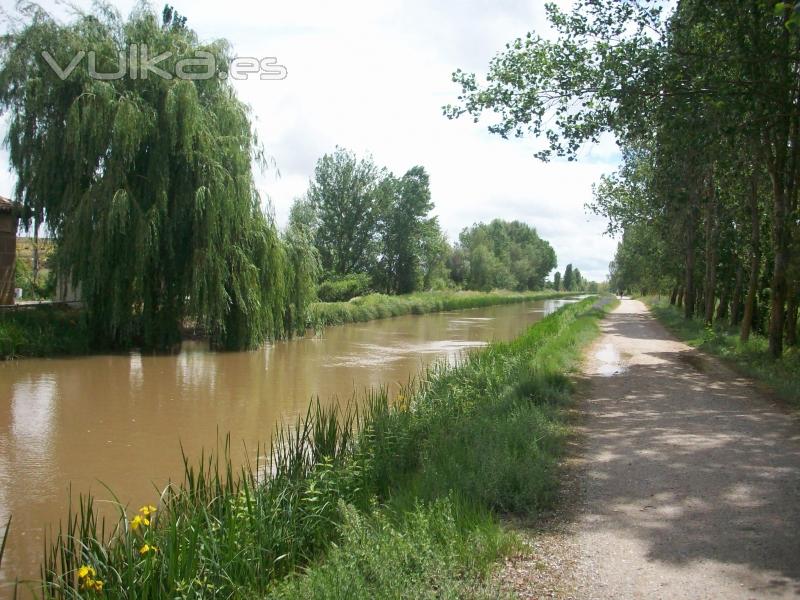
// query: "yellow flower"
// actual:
[[138, 521], [147, 510], [86, 571], [98, 586], [147, 548]]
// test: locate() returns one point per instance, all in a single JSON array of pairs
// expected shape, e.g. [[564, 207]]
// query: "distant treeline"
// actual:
[[375, 231]]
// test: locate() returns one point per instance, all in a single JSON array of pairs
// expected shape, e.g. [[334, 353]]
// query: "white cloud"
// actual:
[[373, 77]]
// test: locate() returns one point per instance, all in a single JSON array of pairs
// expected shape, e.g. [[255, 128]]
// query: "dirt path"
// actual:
[[691, 479]]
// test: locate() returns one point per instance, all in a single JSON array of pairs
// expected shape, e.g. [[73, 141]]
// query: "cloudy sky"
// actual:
[[372, 77]]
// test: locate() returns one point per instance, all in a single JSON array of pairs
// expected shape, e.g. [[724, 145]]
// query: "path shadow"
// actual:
[[691, 460]]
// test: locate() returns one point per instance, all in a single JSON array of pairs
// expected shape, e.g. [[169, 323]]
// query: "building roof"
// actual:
[[6, 205]]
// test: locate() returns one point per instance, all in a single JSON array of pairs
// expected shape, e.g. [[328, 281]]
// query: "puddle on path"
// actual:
[[610, 361]]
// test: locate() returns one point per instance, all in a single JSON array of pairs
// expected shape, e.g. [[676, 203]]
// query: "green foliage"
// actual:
[[366, 220], [405, 225], [436, 551], [342, 289], [373, 491], [569, 278], [23, 275], [596, 76], [506, 255], [347, 196], [636, 266], [381, 306], [303, 268], [145, 183], [435, 254], [42, 331]]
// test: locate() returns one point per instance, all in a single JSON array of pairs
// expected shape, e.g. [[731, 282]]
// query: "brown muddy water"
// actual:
[[119, 420]]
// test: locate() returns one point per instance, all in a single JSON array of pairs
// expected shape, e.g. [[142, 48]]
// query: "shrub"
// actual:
[[42, 331], [342, 289]]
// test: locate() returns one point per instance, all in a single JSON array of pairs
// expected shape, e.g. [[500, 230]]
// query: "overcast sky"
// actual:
[[372, 77]]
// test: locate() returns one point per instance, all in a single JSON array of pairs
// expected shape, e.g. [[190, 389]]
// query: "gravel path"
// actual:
[[690, 478]]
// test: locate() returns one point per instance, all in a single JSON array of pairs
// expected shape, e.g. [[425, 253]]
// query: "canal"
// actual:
[[120, 420]]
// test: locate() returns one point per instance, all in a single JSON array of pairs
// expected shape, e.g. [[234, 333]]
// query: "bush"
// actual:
[[342, 289], [42, 331]]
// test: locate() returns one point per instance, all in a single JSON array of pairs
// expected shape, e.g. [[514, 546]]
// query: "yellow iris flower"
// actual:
[[86, 575], [86, 571], [138, 521]]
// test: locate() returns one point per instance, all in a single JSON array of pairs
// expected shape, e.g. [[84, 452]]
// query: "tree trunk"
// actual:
[[35, 256], [722, 308], [794, 287], [736, 301], [780, 265], [712, 229], [689, 289], [792, 305], [791, 320], [673, 295], [755, 260], [680, 297]]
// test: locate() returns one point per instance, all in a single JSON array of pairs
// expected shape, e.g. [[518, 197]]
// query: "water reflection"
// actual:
[[121, 419]]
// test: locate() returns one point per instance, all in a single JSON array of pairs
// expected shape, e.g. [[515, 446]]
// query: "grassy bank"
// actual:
[[380, 306], [42, 331], [751, 358], [395, 499]]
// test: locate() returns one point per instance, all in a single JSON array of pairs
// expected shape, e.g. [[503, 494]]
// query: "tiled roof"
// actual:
[[5, 204]]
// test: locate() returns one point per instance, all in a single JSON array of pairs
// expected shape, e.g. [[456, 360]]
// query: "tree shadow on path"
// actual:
[[690, 462]]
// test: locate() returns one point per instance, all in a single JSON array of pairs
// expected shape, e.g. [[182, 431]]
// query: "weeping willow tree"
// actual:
[[145, 180]]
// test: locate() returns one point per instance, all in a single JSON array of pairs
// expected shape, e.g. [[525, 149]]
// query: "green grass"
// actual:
[[444, 549], [381, 306], [392, 499], [751, 358], [42, 331]]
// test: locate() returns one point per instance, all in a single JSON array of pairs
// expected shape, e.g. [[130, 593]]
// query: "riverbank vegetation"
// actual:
[[749, 357], [42, 331], [703, 100], [381, 306], [353, 503]]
